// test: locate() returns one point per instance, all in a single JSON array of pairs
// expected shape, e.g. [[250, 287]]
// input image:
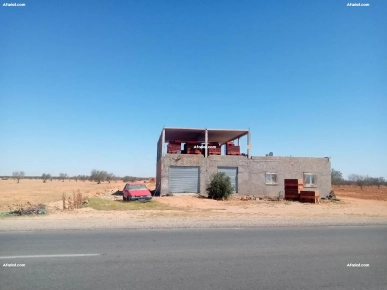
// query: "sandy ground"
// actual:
[[368, 192], [35, 191], [356, 207]]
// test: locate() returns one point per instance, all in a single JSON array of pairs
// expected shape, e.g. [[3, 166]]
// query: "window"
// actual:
[[136, 187], [271, 178], [310, 180]]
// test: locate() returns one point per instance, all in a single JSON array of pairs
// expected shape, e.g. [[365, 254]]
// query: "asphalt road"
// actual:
[[262, 258]]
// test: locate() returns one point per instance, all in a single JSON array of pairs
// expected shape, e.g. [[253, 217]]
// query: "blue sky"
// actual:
[[89, 84]]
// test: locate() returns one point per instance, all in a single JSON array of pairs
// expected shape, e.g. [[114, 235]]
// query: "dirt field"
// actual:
[[368, 192], [35, 191]]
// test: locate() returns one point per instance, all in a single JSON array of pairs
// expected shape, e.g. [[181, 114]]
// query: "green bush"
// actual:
[[220, 186]]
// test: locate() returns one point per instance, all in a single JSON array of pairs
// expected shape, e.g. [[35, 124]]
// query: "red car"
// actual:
[[136, 191]]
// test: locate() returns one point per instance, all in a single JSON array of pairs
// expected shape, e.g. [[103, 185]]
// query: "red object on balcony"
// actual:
[[194, 151], [173, 148], [214, 151], [233, 150], [189, 147]]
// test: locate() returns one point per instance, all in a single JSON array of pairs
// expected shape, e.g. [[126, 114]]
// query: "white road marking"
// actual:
[[49, 256]]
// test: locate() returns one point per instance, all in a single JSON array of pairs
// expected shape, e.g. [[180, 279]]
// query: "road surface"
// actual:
[[261, 258]]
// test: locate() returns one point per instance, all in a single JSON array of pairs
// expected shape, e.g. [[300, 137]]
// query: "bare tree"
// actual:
[[376, 181], [359, 180], [381, 181], [18, 175], [110, 177], [83, 177], [63, 176]]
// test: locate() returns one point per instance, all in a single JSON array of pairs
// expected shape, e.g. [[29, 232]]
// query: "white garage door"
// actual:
[[231, 172], [184, 179]]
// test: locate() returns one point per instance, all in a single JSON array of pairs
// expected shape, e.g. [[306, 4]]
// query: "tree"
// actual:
[[220, 186], [110, 177], [336, 177], [98, 176], [376, 181], [84, 178], [359, 180], [63, 176], [45, 177], [18, 175], [381, 181]]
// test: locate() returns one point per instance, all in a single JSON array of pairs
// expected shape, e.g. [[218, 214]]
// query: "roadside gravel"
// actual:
[[193, 212], [41, 224]]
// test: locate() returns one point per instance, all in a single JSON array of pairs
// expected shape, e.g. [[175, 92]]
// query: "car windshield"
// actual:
[[137, 187]]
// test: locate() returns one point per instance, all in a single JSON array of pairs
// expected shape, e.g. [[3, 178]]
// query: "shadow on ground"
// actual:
[[118, 192]]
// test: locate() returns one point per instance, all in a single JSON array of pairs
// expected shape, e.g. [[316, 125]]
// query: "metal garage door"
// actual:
[[231, 172], [184, 179]]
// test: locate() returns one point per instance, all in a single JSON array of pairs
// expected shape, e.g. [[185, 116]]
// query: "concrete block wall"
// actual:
[[252, 172]]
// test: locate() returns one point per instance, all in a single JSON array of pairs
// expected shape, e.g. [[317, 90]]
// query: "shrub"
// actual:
[[220, 187], [45, 177], [128, 179], [98, 176]]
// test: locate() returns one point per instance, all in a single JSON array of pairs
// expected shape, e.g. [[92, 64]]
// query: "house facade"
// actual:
[[185, 171]]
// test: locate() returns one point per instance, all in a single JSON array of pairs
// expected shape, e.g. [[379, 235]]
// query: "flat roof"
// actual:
[[198, 134]]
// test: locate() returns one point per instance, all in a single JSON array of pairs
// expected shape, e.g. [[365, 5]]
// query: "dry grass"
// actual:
[[103, 204], [74, 202], [36, 192]]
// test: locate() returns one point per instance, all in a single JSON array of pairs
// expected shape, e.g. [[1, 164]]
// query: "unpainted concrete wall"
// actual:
[[252, 172]]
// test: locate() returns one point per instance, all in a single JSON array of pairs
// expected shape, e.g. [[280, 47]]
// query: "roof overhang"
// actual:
[[198, 134]]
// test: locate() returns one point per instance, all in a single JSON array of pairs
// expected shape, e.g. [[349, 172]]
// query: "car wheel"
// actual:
[[124, 198]]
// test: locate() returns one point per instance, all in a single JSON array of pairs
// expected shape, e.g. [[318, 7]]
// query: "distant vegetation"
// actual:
[[18, 175], [45, 177], [356, 179], [98, 176], [82, 178], [129, 178], [63, 176]]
